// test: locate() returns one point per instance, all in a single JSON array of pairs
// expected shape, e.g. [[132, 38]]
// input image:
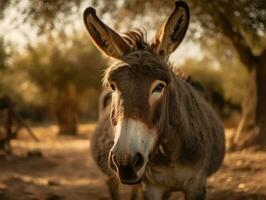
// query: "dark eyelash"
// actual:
[[158, 88]]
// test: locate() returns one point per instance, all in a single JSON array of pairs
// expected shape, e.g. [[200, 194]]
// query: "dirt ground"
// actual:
[[61, 168]]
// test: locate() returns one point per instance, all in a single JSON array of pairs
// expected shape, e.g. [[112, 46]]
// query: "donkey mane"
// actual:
[[137, 39]]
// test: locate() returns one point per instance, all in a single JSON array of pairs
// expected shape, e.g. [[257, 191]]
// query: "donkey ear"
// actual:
[[106, 39], [172, 32]]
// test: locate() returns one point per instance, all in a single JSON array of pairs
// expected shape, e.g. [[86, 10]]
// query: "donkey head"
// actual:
[[139, 78]]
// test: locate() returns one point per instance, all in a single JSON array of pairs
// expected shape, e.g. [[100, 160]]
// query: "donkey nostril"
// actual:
[[138, 161]]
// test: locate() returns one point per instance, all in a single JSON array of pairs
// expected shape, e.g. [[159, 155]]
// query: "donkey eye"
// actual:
[[112, 86], [158, 88]]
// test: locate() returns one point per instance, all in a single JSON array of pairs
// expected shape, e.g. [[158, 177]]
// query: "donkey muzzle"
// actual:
[[126, 167]]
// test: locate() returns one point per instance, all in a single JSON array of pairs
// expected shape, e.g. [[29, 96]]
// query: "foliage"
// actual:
[[237, 24], [61, 65], [228, 81], [58, 60], [246, 17], [3, 55], [247, 20], [45, 14]]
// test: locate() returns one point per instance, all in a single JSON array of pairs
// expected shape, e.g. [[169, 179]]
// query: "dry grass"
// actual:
[[61, 168]]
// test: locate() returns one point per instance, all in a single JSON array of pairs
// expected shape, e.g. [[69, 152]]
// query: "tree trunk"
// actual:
[[67, 104], [261, 100], [251, 130]]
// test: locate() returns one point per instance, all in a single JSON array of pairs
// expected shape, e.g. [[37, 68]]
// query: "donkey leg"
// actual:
[[196, 190], [113, 187]]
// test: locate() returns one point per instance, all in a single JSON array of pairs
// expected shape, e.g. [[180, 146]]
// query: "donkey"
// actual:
[[159, 131]]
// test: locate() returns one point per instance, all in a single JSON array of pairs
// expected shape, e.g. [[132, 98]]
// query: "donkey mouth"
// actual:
[[131, 182], [127, 172], [128, 175]]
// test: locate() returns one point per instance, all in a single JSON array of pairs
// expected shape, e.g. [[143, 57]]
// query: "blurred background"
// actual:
[[50, 82]]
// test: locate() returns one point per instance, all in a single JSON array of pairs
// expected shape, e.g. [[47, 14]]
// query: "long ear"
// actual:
[[172, 32], [106, 39]]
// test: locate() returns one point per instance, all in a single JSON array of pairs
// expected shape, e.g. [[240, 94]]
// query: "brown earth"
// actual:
[[61, 168]]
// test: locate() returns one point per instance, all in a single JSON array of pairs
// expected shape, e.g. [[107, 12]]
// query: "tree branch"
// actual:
[[243, 50]]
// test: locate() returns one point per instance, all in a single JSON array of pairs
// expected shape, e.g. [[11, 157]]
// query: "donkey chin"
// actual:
[[128, 157]]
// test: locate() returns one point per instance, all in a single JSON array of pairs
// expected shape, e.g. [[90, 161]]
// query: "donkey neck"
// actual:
[[180, 137]]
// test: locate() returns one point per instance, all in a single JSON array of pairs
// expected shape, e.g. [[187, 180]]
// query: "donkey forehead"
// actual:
[[138, 67]]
